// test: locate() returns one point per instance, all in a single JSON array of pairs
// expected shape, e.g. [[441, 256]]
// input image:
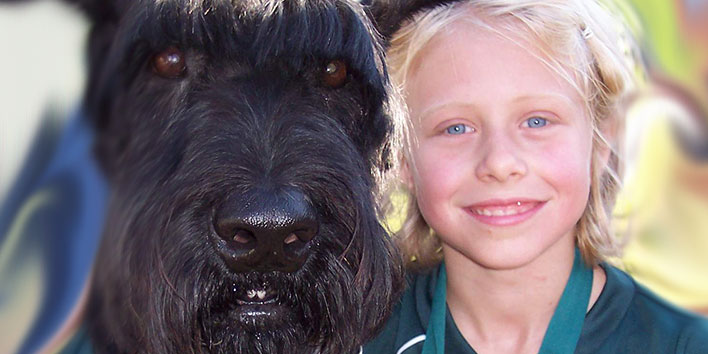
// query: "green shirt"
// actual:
[[626, 318]]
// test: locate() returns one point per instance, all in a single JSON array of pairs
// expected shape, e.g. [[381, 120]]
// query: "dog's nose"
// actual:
[[265, 230]]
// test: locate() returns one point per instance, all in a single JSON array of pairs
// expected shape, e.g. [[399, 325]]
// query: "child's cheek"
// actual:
[[565, 164], [438, 174]]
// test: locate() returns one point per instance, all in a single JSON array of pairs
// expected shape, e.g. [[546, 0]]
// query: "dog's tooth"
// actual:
[[251, 294], [261, 294]]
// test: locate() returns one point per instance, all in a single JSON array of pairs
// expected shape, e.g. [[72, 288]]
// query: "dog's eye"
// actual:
[[335, 74], [169, 63]]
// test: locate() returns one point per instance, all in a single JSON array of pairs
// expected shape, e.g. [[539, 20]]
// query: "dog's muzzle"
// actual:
[[265, 230]]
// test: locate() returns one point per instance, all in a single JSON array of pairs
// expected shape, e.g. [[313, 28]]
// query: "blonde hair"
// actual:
[[581, 41]]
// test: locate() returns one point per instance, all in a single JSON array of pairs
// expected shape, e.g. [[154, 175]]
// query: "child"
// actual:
[[513, 107]]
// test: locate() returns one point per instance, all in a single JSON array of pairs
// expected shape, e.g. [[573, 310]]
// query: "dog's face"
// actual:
[[243, 141]]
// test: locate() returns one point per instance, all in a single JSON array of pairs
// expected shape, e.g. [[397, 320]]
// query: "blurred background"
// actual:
[[41, 81], [41, 75], [663, 208]]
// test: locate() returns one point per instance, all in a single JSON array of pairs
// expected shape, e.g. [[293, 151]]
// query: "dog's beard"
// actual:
[[228, 325], [231, 326], [304, 312]]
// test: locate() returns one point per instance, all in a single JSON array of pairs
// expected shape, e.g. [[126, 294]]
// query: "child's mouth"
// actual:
[[505, 213]]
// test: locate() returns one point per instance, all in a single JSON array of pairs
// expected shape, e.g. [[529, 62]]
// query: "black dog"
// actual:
[[244, 142]]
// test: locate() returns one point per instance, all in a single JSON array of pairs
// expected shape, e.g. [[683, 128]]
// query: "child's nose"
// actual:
[[500, 160]]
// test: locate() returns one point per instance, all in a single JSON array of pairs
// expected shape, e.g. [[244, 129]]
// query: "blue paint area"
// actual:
[[64, 229]]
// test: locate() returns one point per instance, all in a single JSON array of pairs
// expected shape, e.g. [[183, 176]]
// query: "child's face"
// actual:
[[501, 149]]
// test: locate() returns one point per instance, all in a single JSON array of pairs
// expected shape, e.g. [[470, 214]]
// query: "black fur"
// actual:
[[251, 118], [250, 130]]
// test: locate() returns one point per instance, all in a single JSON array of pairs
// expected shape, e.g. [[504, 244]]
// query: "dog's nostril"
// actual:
[[302, 235], [234, 232], [243, 236], [291, 238]]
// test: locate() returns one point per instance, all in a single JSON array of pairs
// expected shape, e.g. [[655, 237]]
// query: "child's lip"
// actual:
[[505, 212]]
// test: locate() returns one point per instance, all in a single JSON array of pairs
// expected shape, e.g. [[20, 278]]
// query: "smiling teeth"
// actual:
[[508, 210], [496, 212]]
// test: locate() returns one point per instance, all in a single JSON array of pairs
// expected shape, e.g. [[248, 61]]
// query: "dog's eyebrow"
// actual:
[[257, 31]]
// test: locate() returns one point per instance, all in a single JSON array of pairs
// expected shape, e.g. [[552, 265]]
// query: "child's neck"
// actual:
[[508, 311]]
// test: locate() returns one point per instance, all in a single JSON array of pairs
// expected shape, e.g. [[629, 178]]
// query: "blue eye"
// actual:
[[536, 122], [456, 129]]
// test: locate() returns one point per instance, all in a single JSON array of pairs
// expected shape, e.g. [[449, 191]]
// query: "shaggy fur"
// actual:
[[249, 131]]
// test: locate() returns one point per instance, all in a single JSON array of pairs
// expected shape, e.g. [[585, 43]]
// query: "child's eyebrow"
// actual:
[[462, 105], [546, 96]]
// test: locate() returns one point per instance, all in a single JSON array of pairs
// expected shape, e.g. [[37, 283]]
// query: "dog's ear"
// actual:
[[388, 15]]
